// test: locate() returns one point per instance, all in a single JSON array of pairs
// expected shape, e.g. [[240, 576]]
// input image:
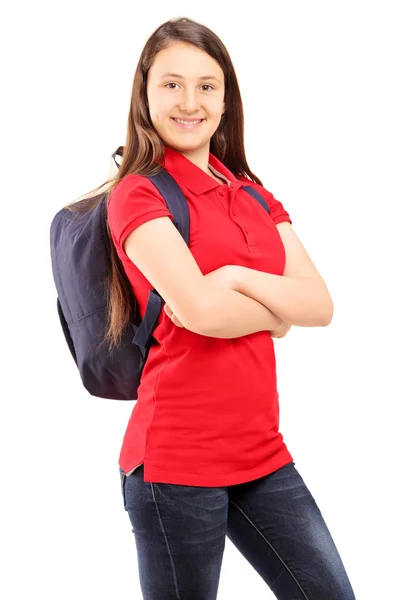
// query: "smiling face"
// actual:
[[185, 83]]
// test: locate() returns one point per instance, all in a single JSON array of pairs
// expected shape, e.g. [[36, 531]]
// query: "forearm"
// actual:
[[232, 314], [301, 302]]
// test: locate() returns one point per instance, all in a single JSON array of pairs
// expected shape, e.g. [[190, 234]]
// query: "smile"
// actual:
[[188, 124]]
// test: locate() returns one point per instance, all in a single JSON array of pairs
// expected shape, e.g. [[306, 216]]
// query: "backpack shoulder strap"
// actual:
[[250, 190], [177, 205], [175, 200]]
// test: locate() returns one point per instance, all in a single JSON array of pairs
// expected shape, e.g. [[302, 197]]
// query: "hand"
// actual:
[[281, 331]]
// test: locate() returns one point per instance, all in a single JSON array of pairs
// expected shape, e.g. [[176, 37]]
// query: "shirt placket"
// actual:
[[227, 195], [233, 211]]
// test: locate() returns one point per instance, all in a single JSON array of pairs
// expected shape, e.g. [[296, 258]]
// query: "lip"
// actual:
[[188, 126], [186, 119]]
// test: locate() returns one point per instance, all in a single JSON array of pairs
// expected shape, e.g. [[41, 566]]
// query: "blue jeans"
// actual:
[[274, 522]]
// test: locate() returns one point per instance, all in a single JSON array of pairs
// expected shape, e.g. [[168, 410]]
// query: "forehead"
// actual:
[[187, 60]]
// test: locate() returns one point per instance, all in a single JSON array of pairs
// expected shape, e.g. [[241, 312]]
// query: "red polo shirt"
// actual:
[[207, 412]]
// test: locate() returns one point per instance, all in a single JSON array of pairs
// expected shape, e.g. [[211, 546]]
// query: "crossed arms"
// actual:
[[232, 301]]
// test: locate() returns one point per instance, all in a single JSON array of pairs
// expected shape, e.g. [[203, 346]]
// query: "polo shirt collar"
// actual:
[[193, 178]]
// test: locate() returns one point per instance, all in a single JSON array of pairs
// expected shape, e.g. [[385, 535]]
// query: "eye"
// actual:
[[205, 85]]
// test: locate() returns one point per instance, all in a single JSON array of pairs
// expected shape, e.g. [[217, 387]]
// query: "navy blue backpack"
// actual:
[[80, 257]]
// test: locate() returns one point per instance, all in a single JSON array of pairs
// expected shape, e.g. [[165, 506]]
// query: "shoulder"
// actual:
[[133, 184], [133, 201], [256, 186], [278, 212], [134, 192]]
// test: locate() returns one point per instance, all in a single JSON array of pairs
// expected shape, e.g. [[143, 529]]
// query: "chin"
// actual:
[[182, 147]]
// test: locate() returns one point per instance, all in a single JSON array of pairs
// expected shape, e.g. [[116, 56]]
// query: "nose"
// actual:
[[189, 101]]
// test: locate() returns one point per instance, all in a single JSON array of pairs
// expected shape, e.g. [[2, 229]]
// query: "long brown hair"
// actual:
[[144, 148]]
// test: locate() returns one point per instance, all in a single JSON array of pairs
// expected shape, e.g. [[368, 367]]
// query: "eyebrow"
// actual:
[[177, 76]]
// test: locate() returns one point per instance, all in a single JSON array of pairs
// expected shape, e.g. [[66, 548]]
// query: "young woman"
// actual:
[[202, 456]]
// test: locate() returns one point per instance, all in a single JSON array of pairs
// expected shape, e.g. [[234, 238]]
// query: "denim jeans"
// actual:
[[274, 521]]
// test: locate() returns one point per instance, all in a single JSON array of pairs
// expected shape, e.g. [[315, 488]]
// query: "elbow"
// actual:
[[205, 318], [327, 315], [324, 302], [197, 319], [202, 314], [204, 324], [192, 322]]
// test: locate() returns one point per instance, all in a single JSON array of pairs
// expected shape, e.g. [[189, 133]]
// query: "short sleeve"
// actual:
[[133, 201], [277, 211]]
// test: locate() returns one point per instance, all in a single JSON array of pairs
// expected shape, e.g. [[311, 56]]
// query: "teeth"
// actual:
[[188, 122]]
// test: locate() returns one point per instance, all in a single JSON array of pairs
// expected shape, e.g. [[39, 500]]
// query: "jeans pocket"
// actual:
[[122, 476]]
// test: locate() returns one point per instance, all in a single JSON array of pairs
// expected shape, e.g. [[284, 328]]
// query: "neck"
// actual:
[[198, 157]]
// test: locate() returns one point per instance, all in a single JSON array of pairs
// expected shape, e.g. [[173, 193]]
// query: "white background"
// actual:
[[320, 88]]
